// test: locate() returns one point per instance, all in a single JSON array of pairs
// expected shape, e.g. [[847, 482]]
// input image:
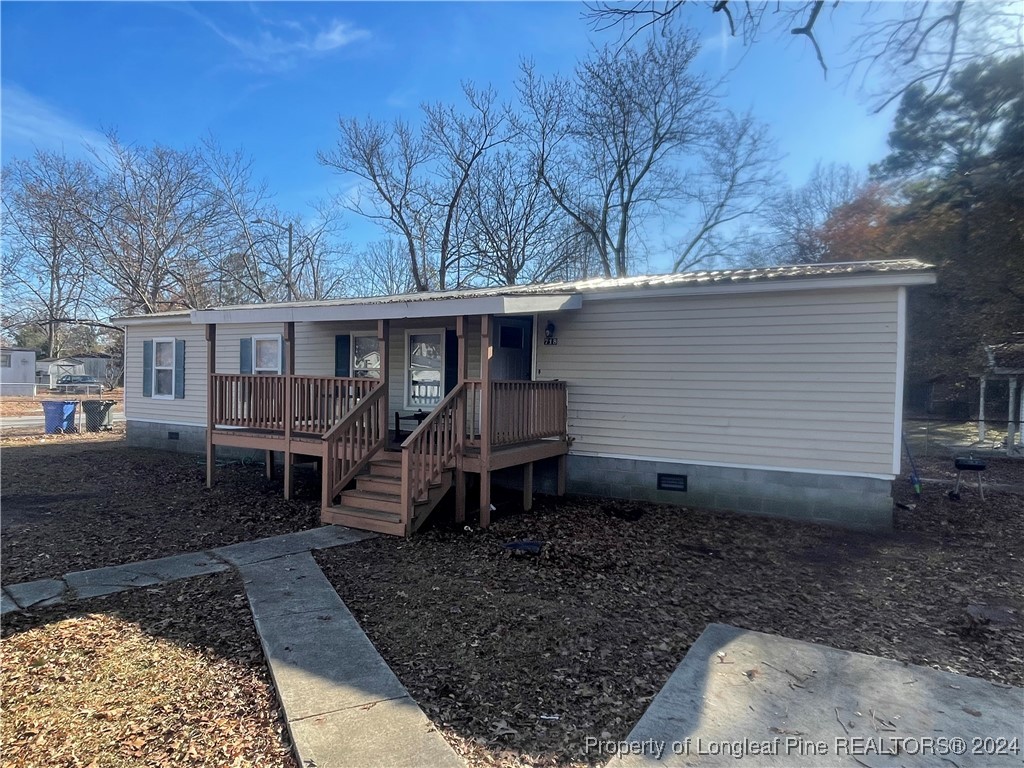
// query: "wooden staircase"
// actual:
[[375, 504]]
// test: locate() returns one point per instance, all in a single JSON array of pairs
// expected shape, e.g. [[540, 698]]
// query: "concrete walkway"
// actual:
[[747, 698], [81, 585], [343, 705]]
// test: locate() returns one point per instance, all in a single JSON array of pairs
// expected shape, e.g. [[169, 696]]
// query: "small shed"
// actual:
[[1005, 362], [17, 371], [50, 369]]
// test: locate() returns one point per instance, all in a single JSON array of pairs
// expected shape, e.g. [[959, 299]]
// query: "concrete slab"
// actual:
[[105, 581], [389, 734], [7, 604], [337, 692], [180, 566], [32, 593], [747, 698], [320, 658], [289, 543], [288, 585]]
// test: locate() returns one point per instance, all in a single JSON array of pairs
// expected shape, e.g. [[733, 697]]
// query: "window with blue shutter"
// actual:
[[147, 369], [343, 355], [245, 355]]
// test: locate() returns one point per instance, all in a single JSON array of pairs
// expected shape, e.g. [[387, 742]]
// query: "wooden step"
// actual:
[[388, 456], [383, 502], [363, 519], [386, 467], [379, 483]]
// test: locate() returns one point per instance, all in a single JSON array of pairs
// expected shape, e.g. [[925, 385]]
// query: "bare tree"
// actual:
[[390, 160], [154, 226], [412, 181], [606, 145], [46, 274], [922, 43], [795, 217], [514, 230], [739, 170], [382, 269]]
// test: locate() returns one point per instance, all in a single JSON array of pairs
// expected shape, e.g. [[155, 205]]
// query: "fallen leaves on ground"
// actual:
[[155, 677], [517, 658], [77, 502]]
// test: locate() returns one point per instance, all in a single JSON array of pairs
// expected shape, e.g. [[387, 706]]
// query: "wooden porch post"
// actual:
[[289, 366], [981, 410], [486, 353], [460, 474], [383, 334], [560, 490], [528, 486], [211, 368], [1011, 425]]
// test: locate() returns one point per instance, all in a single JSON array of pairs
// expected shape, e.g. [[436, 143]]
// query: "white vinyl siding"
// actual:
[[787, 380], [190, 410]]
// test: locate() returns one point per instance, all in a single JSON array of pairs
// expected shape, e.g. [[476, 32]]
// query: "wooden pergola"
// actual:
[[1005, 362]]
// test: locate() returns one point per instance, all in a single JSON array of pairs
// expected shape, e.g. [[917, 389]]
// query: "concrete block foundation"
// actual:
[[862, 503]]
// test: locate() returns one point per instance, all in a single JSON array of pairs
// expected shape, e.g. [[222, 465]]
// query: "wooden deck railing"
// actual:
[[432, 448], [320, 402], [352, 442], [251, 401], [523, 411], [248, 401]]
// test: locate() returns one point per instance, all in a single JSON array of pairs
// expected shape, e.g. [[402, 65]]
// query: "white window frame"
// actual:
[[409, 333], [280, 354], [173, 367], [352, 353]]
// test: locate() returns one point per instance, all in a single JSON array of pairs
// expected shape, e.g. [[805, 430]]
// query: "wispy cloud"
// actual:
[[30, 123], [280, 44]]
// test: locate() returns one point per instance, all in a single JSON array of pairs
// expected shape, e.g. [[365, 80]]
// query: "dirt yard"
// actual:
[[31, 406], [517, 657], [138, 679], [72, 502]]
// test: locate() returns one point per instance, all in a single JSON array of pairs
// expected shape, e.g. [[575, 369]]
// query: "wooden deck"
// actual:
[[480, 426]]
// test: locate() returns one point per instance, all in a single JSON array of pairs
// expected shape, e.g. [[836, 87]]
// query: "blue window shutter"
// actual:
[[179, 369], [245, 355], [343, 355], [451, 360], [147, 369]]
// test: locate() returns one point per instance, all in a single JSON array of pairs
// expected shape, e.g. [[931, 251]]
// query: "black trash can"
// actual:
[[98, 415]]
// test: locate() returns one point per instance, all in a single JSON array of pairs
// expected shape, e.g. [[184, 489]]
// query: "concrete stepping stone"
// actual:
[[145, 573], [7, 604], [343, 704], [39, 593], [290, 543], [748, 698]]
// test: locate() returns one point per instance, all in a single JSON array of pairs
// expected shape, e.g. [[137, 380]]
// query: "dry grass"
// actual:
[[169, 676]]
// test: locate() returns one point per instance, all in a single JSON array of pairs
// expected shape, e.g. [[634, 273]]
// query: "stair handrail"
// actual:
[[360, 439], [432, 448]]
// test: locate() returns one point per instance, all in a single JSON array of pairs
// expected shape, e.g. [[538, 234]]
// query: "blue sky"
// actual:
[[273, 78]]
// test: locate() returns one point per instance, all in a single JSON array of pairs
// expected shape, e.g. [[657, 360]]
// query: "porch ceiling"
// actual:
[[390, 310]]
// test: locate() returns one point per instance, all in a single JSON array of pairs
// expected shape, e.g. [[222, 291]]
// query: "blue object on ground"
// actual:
[[59, 416]]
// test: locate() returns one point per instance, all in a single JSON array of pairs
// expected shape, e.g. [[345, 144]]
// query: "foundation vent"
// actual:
[[671, 482]]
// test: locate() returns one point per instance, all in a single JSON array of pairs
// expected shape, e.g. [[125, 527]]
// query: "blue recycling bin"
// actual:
[[59, 416]]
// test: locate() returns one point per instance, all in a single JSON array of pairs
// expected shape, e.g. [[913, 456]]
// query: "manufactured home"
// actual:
[[766, 391], [17, 371]]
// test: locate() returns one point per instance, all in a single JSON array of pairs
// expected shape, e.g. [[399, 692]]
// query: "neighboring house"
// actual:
[[768, 391], [17, 371], [50, 369]]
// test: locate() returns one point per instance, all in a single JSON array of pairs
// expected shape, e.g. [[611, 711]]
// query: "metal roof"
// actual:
[[726, 277]]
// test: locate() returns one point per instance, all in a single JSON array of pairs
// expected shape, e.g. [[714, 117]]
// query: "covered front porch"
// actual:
[[420, 410]]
